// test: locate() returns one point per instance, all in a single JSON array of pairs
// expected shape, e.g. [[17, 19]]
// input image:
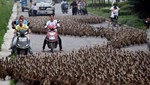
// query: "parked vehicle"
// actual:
[[52, 38], [148, 38], [23, 43], [25, 4]]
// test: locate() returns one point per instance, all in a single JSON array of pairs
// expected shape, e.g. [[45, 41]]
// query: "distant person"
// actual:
[[74, 6], [64, 6], [14, 23], [34, 9], [147, 23], [114, 12]]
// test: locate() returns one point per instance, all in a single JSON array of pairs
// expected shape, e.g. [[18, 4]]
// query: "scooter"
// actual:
[[65, 8], [22, 43], [148, 41], [52, 38]]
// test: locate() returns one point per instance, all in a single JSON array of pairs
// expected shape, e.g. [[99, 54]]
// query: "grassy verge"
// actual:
[[5, 12], [126, 16]]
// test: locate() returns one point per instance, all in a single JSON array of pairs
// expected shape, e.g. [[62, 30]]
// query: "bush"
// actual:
[[105, 10], [99, 5], [125, 7], [120, 4], [5, 12], [125, 12], [135, 22], [132, 20]]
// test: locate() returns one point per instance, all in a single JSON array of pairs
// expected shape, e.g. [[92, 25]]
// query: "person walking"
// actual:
[[114, 13], [74, 6], [34, 9]]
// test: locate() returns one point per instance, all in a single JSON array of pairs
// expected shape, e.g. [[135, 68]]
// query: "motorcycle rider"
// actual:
[[17, 22], [54, 22], [20, 26], [64, 5], [114, 13]]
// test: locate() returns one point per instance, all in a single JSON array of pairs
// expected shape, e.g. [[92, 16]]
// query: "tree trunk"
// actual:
[[99, 4], [95, 3]]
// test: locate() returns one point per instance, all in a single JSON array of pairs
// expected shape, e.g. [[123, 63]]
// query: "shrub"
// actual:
[[105, 10], [125, 7], [125, 12], [120, 4], [5, 12]]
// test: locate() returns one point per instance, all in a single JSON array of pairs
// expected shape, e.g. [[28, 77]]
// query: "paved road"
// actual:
[[68, 42]]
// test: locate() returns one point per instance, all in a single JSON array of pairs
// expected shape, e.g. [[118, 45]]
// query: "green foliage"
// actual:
[[141, 7], [125, 12], [106, 10], [12, 82], [120, 4], [5, 12], [125, 7], [99, 5], [131, 20]]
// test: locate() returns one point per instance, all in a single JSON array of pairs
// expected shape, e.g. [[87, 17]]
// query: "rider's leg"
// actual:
[[30, 49], [14, 40], [44, 44], [60, 43]]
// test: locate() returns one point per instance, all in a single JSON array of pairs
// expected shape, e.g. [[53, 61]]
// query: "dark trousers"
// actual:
[[60, 43], [74, 10], [34, 12]]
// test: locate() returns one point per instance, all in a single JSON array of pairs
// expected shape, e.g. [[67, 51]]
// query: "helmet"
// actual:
[[51, 26]]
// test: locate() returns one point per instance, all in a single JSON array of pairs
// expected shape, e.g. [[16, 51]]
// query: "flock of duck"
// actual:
[[96, 65]]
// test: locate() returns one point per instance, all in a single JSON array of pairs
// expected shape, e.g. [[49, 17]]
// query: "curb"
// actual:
[[9, 34]]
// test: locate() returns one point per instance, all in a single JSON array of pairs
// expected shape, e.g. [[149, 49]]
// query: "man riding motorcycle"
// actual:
[[54, 22], [19, 27], [17, 22], [64, 6]]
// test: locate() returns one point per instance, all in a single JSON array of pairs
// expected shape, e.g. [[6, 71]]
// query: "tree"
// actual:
[[141, 7]]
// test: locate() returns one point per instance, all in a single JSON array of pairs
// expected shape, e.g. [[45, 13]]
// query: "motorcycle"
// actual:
[[22, 43], [64, 8], [52, 38], [148, 39]]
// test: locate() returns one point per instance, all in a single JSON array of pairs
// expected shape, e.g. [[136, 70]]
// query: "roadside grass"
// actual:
[[126, 15], [5, 12]]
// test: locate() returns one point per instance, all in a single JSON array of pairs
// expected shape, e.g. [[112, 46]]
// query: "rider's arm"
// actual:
[[46, 24], [28, 29], [13, 24], [111, 8], [57, 23], [16, 29]]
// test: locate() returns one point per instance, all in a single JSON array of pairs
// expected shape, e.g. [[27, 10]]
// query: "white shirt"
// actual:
[[62, 2], [34, 7], [52, 23], [114, 11]]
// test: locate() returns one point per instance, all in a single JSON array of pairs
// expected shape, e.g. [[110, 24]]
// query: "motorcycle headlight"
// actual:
[[18, 44], [52, 38], [27, 45], [22, 39]]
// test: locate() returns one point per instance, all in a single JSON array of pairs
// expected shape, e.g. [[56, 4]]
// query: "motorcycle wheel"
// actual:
[[22, 52], [148, 46], [26, 51], [18, 51], [52, 47]]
